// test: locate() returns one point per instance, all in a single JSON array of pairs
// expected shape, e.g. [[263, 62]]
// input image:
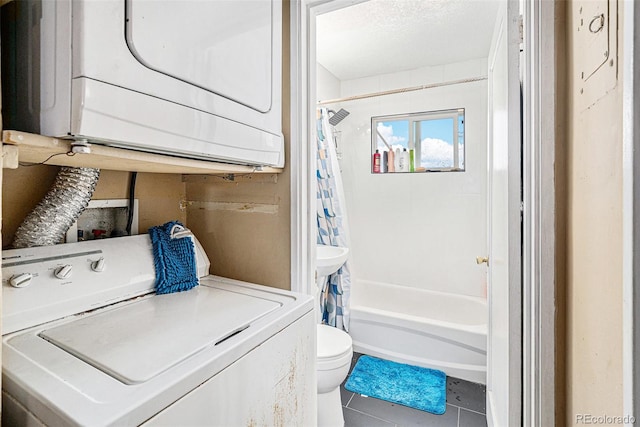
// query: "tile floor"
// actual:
[[465, 408]]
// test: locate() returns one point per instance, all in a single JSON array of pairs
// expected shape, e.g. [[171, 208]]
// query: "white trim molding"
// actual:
[[539, 214], [302, 159], [630, 205]]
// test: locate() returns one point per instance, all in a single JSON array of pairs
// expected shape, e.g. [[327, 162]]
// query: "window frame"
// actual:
[[415, 134]]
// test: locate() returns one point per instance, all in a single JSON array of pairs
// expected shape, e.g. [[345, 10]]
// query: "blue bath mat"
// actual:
[[412, 386]]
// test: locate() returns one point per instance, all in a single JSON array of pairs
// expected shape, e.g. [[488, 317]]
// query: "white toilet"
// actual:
[[334, 360]]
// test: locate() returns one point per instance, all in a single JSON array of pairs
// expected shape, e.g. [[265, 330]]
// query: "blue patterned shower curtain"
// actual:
[[332, 226]]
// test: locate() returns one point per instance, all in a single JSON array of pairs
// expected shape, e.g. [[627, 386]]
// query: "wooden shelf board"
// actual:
[[53, 151]]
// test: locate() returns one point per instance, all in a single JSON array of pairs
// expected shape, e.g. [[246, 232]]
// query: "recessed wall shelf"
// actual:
[[34, 148]]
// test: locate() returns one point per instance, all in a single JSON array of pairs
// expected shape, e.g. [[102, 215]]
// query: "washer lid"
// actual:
[[332, 342], [135, 342]]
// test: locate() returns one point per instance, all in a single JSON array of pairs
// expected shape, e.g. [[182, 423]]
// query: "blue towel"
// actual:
[[174, 259]]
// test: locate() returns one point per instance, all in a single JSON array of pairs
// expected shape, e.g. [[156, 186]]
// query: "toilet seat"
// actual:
[[335, 348]]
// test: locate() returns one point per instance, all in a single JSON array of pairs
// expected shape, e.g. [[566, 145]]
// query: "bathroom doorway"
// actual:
[[508, 402]]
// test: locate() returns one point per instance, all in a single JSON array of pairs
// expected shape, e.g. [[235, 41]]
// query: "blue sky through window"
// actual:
[[396, 133], [436, 135], [438, 129]]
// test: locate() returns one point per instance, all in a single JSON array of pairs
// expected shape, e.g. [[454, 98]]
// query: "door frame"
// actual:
[[302, 159], [538, 163], [630, 205], [539, 293]]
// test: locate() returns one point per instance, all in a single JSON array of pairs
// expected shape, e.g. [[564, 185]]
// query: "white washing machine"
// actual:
[[86, 342], [186, 77]]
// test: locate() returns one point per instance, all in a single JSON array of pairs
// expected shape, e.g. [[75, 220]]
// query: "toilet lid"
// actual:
[[332, 342]]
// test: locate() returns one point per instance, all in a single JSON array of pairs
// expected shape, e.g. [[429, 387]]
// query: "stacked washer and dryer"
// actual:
[[198, 79], [86, 341]]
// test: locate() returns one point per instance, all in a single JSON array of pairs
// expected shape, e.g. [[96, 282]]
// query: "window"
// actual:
[[418, 142]]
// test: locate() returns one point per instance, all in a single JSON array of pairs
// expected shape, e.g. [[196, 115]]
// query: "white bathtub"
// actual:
[[425, 328]]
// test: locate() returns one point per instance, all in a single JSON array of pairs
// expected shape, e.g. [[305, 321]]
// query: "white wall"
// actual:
[[328, 85], [422, 230]]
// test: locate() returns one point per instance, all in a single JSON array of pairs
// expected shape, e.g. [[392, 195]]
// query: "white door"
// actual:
[[504, 396]]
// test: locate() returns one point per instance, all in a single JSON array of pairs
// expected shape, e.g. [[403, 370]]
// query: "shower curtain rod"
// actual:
[[406, 89]]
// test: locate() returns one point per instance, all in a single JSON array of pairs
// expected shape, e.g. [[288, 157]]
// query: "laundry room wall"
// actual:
[[242, 221], [161, 196], [22, 189]]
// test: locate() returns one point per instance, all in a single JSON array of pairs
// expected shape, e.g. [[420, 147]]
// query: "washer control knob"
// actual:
[[63, 272], [98, 265], [21, 280]]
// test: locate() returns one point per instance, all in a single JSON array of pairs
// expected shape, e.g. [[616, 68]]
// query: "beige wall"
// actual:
[[593, 229], [243, 224], [161, 196], [22, 189]]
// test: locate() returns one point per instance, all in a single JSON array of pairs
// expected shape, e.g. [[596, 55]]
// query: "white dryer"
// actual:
[[97, 347], [191, 78]]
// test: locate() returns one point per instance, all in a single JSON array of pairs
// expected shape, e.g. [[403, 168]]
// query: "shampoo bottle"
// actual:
[[397, 160], [405, 160], [376, 162], [401, 161], [411, 161], [385, 160], [411, 157], [391, 165]]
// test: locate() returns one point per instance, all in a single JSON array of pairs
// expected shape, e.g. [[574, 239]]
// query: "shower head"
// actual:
[[337, 117]]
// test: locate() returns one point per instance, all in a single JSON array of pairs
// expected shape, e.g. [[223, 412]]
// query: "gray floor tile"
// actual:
[[466, 394], [354, 360], [358, 419], [345, 395], [472, 419], [402, 415]]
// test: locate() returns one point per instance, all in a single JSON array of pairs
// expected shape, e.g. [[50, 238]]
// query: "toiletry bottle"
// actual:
[[411, 161], [385, 160], [401, 163], [411, 157], [397, 160], [405, 160], [376, 162], [391, 165]]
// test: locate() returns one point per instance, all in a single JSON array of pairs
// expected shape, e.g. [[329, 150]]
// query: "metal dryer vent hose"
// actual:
[[49, 221]]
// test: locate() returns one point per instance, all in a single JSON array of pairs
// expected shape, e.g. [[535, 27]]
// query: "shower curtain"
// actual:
[[332, 226]]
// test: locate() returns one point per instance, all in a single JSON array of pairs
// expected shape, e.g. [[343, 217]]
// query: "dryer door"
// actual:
[[227, 50]]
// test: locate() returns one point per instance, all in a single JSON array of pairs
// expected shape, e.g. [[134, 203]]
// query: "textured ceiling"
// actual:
[[385, 36]]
